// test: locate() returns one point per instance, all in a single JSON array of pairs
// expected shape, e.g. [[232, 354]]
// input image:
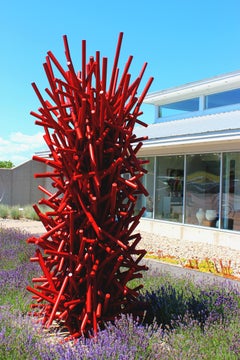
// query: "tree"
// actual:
[[6, 164]]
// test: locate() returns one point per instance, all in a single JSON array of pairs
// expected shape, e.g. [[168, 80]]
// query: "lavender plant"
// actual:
[[170, 300], [15, 269], [184, 319]]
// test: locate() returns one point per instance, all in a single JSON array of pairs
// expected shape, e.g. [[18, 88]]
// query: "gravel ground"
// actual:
[[32, 227], [157, 245], [164, 246]]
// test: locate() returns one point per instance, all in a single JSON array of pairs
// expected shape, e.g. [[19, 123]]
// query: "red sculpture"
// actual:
[[90, 246]]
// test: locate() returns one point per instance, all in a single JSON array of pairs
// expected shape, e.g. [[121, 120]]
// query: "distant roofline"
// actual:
[[228, 81]]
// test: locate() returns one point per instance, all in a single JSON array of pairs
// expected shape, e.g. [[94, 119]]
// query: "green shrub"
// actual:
[[4, 211], [16, 212], [29, 213]]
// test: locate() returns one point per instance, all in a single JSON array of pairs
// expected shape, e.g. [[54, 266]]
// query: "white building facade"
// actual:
[[193, 149]]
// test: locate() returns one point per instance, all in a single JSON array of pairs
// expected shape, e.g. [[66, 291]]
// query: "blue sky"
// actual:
[[181, 40]]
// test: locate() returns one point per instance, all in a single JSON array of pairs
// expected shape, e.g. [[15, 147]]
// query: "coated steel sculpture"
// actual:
[[89, 251]]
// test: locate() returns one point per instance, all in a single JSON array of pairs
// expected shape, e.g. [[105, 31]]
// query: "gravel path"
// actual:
[[32, 227], [156, 245]]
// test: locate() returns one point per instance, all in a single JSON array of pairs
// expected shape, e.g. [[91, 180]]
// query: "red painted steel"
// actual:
[[89, 253]]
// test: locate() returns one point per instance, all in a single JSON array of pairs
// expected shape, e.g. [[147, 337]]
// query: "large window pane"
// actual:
[[202, 189], [230, 209], [148, 182], [179, 107], [169, 188], [224, 98]]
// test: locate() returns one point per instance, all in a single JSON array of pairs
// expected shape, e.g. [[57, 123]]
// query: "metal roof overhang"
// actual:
[[191, 90], [183, 144]]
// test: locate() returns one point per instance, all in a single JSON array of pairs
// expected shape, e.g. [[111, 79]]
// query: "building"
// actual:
[[18, 185], [193, 149]]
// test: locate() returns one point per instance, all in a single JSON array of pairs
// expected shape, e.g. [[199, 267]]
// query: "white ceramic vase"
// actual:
[[211, 215], [200, 215]]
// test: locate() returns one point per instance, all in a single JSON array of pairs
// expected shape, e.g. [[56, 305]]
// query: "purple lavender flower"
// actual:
[[196, 317]]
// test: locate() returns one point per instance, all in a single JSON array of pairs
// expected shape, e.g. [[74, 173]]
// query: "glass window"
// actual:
[[179, 107], [202, 189], [230, 210], [148, 182], [169, 188], [224, 98], [203, 203]]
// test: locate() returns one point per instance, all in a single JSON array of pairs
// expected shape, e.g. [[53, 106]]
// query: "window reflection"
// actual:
[[169, 188], [230, 210], [207, 199], [148, 182], [179, 107], [202, 189], [224, 98]]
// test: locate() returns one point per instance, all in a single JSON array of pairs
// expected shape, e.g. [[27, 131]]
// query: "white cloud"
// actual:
[[19, 147], [21, 138], [3, 142]]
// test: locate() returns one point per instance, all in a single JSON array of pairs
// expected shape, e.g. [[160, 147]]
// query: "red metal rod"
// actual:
[[115, 64], [51, 317], [104, 74], [83, 77]]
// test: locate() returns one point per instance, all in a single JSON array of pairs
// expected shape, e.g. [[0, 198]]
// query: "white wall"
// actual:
[[18, 185], [191, 233]]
